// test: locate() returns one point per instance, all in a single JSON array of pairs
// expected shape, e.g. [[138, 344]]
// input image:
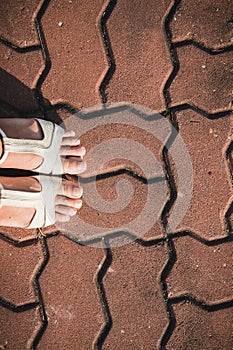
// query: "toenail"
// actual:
[[76, 192], [75, 142], [83, 166], [79, 204], [83, 150], [72, 212], [65, 219]]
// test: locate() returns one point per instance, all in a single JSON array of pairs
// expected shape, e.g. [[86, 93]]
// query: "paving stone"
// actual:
[[116, 204], [199, 329], [76, 52], [19, 266], [18, 329], [17, 25], [211, 76], [230, 217], [18, 234], [134, 297], [192, 21], [209, 266], [70, 295], [78, 66], [134, 137], [140, 53], [119, 203], [22, 66], [205, 140]]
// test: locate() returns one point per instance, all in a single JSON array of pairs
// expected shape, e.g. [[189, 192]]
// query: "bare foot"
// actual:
[[30, 129], [67, 201]]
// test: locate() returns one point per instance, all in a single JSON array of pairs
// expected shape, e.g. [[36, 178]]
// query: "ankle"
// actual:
[[21, 128]]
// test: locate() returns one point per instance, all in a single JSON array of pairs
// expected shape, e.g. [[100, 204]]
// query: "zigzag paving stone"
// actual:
[[78, 58], [117, 210], [230, 218], [134, 297], [131, 283], [23, 66], [18, 234], [209, 266], [140, 54], [18, 266], [18, 328], [124, 206], [211, 80], [133, 136], [16, 18], [192, 21], [70, 295], [205, 140], [199, 329]]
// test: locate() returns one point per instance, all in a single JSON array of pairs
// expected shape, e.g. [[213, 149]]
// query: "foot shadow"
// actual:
[[19, 101]]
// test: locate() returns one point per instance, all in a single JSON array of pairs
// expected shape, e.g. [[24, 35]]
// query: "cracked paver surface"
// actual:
[[166, 289]]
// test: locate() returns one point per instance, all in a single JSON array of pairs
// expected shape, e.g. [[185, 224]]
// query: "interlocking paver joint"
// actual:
[[176, 64], [172, 304], [171, 301], [17, 308], [46, 57], [106, 263], [18, 48], [108, 49], [37, 291]]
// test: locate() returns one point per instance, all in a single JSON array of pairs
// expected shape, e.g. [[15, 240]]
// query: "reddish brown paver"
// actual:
[[19, 266], [23, 66], [230, 216], [211, 77], [147, 130], [18, 329], [17, 22], [76, 51], [140, 53], [117, 210], [18, 234], [206, 141], [199, 329], [134, 297], [131, 311], [192, 21], [110, 189], [70, 295], [209, 266]]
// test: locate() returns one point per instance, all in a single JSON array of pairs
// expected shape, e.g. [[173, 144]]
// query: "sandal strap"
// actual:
[[48, 148], [43, 202]]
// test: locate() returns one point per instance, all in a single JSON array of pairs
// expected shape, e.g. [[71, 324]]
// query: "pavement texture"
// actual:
[[169, 288]]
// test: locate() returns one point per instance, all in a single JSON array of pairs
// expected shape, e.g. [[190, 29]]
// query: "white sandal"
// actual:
[[48, 148], [43, 202]]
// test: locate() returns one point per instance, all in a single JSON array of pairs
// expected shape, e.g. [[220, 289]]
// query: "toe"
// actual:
[[70, 141], [69, 202], [76, 151], [73, 166], [69, 133], [62, 217], [70, 189], [65, 210]]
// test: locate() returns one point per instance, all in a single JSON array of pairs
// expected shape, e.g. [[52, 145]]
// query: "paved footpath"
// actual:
[[170, 286]]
